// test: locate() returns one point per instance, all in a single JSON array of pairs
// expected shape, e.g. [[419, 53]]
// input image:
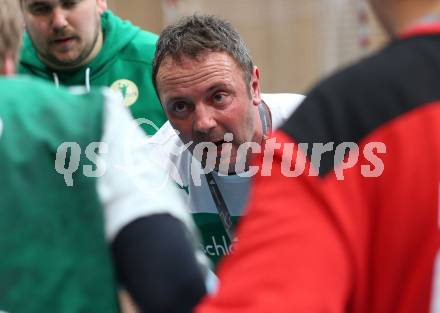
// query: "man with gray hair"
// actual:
[[57, 232], [210, 90]]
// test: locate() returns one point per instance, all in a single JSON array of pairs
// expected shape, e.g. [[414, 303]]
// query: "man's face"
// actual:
[[207, 97], [65, 33]]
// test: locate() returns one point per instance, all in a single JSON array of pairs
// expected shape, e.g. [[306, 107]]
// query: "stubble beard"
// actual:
[[52, 61]]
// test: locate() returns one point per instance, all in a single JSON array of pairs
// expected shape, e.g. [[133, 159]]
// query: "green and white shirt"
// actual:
[[64, 196], [169, 152]]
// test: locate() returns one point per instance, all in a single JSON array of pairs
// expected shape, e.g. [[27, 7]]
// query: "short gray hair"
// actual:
[[197, 34]]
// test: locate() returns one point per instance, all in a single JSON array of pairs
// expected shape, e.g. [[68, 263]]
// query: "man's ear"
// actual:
[[102, 6], [9, 66], [255, 86]]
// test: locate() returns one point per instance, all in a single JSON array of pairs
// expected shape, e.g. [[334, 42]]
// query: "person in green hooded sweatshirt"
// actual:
[[80, 42]]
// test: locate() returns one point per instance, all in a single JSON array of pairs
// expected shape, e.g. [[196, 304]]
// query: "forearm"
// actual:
[[156, 263]]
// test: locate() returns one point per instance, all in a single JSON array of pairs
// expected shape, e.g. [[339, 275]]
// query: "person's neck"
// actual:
[[8, 68], [263, 129], [400, 16]]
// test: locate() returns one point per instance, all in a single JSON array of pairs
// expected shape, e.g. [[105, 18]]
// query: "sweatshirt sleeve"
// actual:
[[152, 235], [133, 185]]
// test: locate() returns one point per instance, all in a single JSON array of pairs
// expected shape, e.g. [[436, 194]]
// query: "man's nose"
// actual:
[[59, 18], [204, 119]]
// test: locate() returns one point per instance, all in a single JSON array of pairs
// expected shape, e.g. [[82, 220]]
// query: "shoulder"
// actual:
[[142, 47], [165, 136], [136, 44], [291, 100], [356, 101], [62, 114], [168, 150], [281, 105], [45, 94], [396, 65]]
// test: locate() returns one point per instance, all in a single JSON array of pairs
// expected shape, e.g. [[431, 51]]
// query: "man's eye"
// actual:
[[69, 4], [180, 107], [39, 9], [219, 97]]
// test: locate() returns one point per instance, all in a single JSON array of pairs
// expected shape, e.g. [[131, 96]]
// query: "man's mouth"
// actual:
[[219, 143], [63, 40]]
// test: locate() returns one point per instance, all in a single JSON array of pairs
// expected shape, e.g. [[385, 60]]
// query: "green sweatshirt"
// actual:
[[124, 63], [54, 255]]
